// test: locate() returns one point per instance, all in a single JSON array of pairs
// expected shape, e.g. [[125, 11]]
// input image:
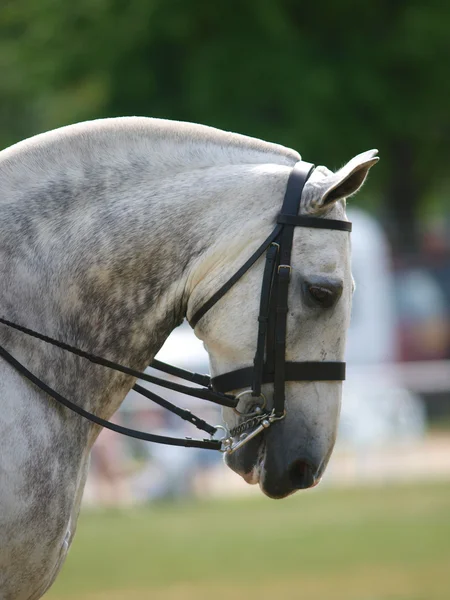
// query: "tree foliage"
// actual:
[[330, 79]]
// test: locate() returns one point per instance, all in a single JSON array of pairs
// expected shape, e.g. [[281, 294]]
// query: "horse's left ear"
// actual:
[[342, 184]]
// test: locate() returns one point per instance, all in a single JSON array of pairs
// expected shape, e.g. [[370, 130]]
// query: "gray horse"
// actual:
[[111, 232]]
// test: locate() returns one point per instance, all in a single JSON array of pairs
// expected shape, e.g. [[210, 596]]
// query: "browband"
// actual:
[[315, 222]]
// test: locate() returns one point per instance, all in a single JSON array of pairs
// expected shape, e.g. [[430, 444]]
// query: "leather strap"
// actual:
[[291, 206], [314, 222], [198, 378], [263, 318], [184, 414], [203, 394], [239, 273], [295, 371], [140, 435]]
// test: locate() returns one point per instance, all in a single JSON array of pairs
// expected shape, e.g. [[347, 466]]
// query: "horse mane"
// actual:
[[158, 146]]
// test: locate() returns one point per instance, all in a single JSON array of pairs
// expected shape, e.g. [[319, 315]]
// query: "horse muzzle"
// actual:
[[283, 459]]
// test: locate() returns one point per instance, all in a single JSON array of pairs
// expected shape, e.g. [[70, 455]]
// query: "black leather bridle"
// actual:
[[269, 365]]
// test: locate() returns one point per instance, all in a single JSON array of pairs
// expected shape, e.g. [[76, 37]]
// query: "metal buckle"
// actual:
[[285, 267]]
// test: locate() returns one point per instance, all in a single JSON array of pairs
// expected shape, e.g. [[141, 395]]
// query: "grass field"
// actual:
[[359, 544]]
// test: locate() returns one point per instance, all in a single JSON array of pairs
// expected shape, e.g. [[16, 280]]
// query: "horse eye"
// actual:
[[322, 295]]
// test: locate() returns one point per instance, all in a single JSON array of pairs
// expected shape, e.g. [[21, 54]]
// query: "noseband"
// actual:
[[269, 364]]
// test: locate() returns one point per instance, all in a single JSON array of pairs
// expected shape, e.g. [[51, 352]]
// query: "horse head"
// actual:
[[292, 454]]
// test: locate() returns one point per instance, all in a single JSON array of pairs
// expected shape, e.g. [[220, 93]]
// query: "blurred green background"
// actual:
[[359, 544], [330, 79]]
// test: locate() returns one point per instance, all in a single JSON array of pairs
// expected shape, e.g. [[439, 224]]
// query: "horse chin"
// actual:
[[248, 461]]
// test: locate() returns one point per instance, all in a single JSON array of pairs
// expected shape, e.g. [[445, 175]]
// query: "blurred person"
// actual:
[[423, 316], [436, 253], [168, 471], [109, 473]]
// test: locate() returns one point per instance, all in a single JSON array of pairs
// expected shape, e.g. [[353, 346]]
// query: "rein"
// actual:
[[204, 393], [269, 364]]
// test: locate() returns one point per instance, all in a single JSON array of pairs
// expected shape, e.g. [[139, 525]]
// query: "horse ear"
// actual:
[[342, 184]]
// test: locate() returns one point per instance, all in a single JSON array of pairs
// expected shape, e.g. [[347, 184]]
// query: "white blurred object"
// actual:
[[376, 414], [376, 407], [371, 337], [184, 349]]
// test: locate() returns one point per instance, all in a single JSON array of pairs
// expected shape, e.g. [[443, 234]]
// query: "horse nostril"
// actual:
[[301, 475]]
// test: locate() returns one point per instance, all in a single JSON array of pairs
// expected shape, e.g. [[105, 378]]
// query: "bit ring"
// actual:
[[258, 409], [226, 433]]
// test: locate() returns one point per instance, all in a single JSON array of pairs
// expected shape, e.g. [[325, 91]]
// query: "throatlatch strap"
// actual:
[[229, 284]]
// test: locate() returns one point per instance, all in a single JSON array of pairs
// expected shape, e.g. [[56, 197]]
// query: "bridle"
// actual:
[[269, 364]]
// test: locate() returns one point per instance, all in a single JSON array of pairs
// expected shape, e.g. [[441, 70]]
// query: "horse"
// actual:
[[111, 233]]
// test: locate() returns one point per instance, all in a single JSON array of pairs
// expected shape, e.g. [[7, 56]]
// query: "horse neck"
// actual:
[[113, 276]]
